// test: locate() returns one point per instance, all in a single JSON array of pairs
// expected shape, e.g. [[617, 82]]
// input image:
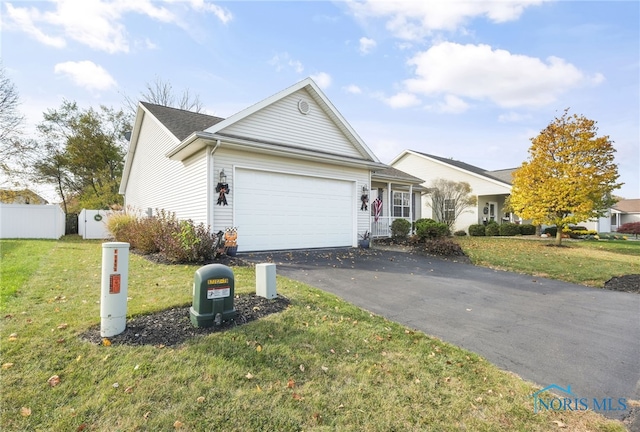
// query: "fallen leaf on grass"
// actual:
[[106, 342], [200, 399], [82, 427], [249, 375], [302, 367], [13, 336], [62, 326], [559, 424], [291, 383], [324, 368], [296, 396], [177, 424], [259, 348], [25, 412], [128, 390], [6, 366], [146, 415], [54, 380]]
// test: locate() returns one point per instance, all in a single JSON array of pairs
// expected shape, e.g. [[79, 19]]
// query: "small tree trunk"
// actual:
[[559, 236]]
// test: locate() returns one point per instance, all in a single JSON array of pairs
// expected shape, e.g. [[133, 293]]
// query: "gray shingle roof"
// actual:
[[499, 175], [181, 123], [393, 173]]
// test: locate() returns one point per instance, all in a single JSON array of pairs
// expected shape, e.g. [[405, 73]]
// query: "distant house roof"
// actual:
[[21, 196], [503, 176], [628, 206], [181, 123]]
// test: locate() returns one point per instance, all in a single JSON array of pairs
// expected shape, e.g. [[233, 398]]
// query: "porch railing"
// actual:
[[382, 227]]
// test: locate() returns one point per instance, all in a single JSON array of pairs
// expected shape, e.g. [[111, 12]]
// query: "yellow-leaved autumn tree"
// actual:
[[569, 177]]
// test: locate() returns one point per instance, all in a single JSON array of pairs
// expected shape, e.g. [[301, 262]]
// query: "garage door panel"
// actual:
[[286, 211]]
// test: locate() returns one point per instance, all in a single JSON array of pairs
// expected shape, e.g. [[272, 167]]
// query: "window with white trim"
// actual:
[[449, 210], [401, 204]]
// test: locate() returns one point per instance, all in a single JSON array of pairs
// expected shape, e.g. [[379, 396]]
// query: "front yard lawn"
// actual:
[[321, 364], [584, 262]]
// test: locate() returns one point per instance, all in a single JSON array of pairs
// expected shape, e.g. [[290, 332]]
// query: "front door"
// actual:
[[493, 211]]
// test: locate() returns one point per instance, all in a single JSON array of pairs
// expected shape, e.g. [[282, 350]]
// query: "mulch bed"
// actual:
[[171, 327], [627, 283]]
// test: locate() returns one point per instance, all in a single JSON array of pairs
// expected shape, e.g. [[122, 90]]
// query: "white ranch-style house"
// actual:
[[491, 188], [289, 172]]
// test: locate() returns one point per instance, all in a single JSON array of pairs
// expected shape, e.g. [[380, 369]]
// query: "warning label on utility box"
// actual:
[[218, 292], [114, 284]]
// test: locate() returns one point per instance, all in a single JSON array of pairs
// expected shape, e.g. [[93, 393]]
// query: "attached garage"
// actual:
[[275, 211], [288, 172]]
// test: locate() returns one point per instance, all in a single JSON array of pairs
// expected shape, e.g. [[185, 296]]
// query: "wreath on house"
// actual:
[[365, 200], [222, 189]]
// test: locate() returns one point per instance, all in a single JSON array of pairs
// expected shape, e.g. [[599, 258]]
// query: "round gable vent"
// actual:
[[303, 106]]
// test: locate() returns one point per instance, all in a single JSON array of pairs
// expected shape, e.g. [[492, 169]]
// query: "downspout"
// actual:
[[210, 207]]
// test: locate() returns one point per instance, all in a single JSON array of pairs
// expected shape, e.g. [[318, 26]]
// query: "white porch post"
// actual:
[[389, 213], [411, 203]]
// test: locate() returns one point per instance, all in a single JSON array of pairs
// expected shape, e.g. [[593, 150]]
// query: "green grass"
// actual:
[[323, 364], [18, 261], [589, 263]]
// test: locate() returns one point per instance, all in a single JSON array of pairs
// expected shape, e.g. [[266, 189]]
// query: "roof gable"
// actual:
[[309, 88]]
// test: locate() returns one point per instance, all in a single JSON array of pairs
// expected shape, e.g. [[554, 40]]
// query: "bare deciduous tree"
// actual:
[[161, 92], [449, 199], [12, 146]]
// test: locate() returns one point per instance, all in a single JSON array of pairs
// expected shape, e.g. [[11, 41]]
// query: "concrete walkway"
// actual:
[[546, 331]]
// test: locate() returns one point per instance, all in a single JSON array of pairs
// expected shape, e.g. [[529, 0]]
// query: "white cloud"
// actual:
[[353, 89], [23, 19], [413, 20], [323, 79], [481, 73], [284, 60], [86, 74], [453, 105], [97, 23], [366, 45], [402, 100], [202, 6]]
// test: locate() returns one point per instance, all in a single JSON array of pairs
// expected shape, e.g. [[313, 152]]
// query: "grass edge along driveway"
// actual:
[[322, 364], [590, 263]]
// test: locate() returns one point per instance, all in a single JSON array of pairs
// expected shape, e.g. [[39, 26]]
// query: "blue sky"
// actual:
[[472, 80]]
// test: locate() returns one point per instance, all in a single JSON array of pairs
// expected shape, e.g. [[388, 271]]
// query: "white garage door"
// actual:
[[275, 211]]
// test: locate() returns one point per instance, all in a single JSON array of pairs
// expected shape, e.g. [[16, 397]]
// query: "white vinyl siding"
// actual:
[[157, 182], [282, 123]]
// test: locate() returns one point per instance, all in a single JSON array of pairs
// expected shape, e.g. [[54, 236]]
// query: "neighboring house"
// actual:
[[292, 168], [622, 212], [491, 188], [23, 196]]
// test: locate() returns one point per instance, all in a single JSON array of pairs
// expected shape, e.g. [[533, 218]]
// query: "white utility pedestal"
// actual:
[[266, 280], [115, 281]]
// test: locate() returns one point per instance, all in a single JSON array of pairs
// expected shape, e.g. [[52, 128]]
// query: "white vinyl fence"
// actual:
[[31, 221], [92, 224]]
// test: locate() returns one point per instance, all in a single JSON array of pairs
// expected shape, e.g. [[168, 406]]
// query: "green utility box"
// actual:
[[213, 287]]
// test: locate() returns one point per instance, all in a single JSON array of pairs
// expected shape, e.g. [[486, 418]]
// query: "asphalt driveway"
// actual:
[[546, 331]]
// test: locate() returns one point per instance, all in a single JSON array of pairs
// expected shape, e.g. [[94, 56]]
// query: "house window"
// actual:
[[401, 204], [449, 210]]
